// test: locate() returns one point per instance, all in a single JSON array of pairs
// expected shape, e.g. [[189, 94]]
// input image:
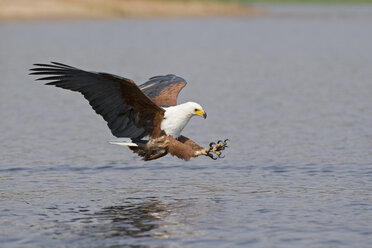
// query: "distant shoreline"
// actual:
[[24, 10]]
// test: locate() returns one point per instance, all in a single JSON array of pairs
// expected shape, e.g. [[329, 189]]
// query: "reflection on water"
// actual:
[[135, 220], [132, 220]]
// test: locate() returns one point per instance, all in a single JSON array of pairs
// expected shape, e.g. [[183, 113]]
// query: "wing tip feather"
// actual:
[[53, 64]]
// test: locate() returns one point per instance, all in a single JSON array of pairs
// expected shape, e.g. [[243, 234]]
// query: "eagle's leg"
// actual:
[[153, 149], [213, 149], [220, 146], [158, 154], [185, 148], [216, 149]]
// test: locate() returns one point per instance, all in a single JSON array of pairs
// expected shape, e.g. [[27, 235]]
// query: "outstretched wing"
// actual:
[[127, 110], [163, 90]]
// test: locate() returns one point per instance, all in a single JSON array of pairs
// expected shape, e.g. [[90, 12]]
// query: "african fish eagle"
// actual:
[[136, 112]]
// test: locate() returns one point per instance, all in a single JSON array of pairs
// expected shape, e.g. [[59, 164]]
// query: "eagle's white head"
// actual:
[[193, 108], [176, 117]]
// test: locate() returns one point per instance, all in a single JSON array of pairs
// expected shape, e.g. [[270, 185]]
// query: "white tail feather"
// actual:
[[122, 142]]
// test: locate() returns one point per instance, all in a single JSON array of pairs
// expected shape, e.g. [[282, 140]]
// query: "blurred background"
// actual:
[[93, 9], [288, 82]]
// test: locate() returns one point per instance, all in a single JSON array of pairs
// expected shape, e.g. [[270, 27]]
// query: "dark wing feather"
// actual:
[[127, 110], [164, 90]]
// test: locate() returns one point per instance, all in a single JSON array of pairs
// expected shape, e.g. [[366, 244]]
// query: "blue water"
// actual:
[[292, 90]]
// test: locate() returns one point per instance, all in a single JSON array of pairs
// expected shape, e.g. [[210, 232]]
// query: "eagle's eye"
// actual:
[[195, 109]]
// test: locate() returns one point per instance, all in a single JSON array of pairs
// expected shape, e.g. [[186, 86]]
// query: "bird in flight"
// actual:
[[148, 114]]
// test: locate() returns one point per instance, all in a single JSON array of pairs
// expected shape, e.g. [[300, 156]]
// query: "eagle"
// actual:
[[146, 115]]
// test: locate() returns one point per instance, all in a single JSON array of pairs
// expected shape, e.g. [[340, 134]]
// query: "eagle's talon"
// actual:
[[220, 146], [220, 156], [211, 156], [216, 148]]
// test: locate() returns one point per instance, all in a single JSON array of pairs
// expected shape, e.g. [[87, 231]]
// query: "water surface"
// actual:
[[291, 90]]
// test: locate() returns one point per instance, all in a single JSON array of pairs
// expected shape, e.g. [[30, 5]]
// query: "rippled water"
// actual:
[[291, 90]]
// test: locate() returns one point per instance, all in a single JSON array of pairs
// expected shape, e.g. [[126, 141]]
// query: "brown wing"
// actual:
[[164, 90], [127, 110]]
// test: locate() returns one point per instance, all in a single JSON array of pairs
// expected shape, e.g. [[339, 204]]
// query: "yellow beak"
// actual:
[[201, 113]]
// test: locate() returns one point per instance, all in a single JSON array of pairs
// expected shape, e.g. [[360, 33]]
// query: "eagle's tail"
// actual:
[[123, 142], [139, 147]]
